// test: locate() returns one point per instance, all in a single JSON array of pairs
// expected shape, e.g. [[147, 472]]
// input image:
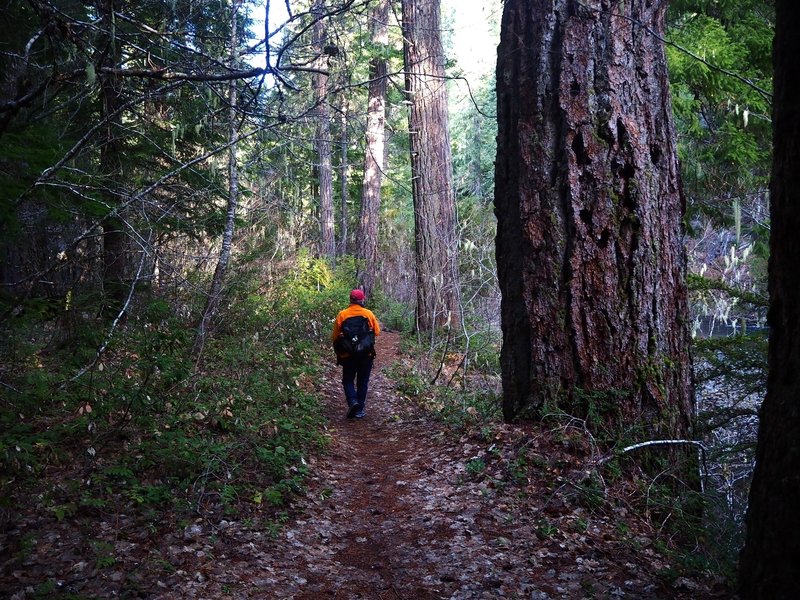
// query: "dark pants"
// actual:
[[355, 378]]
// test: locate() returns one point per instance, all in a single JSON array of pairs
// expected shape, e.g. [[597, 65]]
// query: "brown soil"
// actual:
[[398, 508]]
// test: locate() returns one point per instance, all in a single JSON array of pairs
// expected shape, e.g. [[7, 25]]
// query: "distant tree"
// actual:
[[431, 166], [223, 260], [719, 56], [115, 238], [367, 247], [344, 173], [322, 138], [590, 253], [122, 136], [720, 72], [771, 555]]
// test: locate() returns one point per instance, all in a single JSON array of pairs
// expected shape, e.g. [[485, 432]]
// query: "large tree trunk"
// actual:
[[215, 292], [322, 139], [589, 243], [771, 556], [431, 166], [367, 242]]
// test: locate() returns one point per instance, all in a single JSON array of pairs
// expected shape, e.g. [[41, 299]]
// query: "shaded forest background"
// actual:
[[183, 207]]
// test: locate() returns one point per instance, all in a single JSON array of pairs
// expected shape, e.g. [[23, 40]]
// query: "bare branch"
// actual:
[[120, 316]]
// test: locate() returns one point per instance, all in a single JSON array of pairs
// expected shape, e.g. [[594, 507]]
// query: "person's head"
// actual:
[[357, 297]]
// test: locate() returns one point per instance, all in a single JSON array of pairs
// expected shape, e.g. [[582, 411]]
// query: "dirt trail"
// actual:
[[384, 517], [391, 513]]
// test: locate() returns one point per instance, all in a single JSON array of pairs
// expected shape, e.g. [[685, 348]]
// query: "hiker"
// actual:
[[354, 334]]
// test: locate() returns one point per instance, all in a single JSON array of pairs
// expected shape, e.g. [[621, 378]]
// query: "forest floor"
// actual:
[[399, 507]]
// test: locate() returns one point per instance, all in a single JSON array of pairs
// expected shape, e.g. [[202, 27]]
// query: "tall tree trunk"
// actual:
[[215, 292], [322, 139], [771, 556], [115, 255], [431, 166], [344, 173], [589, 243], [367, 242]]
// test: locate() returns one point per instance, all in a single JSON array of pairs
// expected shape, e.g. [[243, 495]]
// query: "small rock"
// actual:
[[682, 583], [80, 566], [192, 531]]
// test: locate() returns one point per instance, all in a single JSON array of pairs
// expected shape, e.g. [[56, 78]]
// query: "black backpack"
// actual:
[[356, 337]]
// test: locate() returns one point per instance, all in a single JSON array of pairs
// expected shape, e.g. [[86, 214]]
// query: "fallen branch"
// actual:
[[117, 320], [627, 449], [648, 443], [10, 387]]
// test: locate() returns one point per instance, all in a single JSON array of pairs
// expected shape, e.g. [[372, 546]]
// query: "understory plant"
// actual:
[[95, 420]]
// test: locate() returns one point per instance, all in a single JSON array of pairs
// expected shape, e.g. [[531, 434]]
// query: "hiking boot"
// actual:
[[353, 411], [361, 414]]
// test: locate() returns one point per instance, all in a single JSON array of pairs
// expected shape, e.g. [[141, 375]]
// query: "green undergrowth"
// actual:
[[149, 428], [650, 497], [457, 384]]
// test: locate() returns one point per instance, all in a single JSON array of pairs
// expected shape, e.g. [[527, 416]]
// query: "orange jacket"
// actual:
[[355, 310]]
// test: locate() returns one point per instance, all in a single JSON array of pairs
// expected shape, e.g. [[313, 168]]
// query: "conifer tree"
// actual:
[[590, 252], [435, 237]]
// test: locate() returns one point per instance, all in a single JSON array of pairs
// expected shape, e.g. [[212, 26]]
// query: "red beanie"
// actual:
[[357, 296]]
